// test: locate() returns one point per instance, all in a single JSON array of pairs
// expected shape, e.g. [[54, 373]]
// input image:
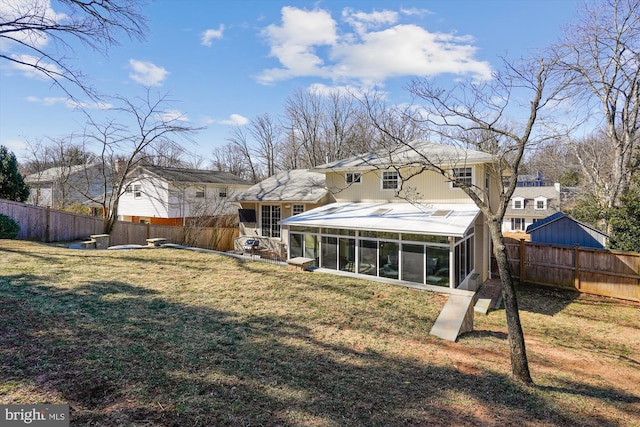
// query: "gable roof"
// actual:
[[413, 153], [548, 192], [298, 185], [58, 172], [556, 217], [192, 176]]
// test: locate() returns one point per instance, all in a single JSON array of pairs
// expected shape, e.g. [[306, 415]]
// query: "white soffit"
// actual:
[[434, 219]]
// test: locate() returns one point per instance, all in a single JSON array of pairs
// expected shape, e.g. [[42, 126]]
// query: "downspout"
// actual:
[[452, 262]]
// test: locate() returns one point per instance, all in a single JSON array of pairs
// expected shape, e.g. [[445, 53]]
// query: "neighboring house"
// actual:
[[63, 186], [432, 234], [276, 198], [531, 180], [177, 196], [529, 205], [561, 229]]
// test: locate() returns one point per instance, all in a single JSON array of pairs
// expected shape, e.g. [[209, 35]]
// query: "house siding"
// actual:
[[152, 203], [428, 186]]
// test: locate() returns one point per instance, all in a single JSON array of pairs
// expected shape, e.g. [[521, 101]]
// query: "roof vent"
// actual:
[[380, 211], [443, 213]]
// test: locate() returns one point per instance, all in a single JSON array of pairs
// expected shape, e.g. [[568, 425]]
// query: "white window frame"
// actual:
[[544, 203], [223, 192], [353, 178], [297, 209], [137, 191], [469, 174], [384, 178], [200, 192], [522, 224], [515, 200]]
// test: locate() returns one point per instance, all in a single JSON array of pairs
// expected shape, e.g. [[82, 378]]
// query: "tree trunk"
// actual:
[[519, 363]]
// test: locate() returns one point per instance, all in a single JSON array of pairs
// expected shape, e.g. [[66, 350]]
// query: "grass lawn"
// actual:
[[172, 337]]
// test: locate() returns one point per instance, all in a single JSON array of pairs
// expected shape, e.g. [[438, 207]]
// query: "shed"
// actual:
[[561, 229]]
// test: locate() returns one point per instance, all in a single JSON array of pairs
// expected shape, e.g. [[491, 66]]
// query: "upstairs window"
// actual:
[[518, 203], [222, 192], [540, 203], [199, 192], [137, 191], [297, 209], [390, 180], [463, 175], [353, 178]]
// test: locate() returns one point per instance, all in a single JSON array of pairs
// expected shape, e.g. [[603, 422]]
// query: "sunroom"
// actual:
[[431, 244]]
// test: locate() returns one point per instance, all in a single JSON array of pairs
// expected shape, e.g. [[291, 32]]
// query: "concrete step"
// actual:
[[482, 306], [455, 318]]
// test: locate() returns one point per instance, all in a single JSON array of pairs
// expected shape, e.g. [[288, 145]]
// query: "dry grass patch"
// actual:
[[169, 337]]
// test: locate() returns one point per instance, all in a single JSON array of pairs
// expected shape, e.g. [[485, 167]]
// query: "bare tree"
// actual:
[[601, 54], [304, 116], [122, 144], [481, 116], [28, 26], [266, 133], [239, 144], [229, 158]]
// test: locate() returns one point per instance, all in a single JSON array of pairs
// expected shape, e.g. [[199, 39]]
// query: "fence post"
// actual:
[[47, 229], [522, 249], [149, 230], [576, 258]]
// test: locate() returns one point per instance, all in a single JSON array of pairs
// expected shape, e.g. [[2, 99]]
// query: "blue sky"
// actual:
[[226, 62]]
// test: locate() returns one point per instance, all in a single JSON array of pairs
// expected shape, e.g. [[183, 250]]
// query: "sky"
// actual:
[[222, 63]]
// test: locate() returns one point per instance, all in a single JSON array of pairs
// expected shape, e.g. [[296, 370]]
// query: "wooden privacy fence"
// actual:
[[594, 271], [49, 225]]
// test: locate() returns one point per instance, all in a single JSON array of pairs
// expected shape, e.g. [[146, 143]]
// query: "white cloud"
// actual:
[[147, 73], [363, 22], [29, 12], [325, 90], [14, 145], [235, 120], [294, 42], [173, 116], [69, 103], [309, 44], [209, 35], [27, 64]]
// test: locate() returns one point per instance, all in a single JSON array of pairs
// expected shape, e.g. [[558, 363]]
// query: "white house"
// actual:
[[529, 205], [175, 196]]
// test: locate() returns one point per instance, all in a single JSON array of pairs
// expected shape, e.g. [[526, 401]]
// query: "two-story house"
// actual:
[[391, 220], [178, 196], [529, 205]]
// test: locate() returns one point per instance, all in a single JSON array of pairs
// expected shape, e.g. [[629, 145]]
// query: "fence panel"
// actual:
[[49, 225], [66, 226], [609, 273], [550, 265], [32, 220], [595, 271]]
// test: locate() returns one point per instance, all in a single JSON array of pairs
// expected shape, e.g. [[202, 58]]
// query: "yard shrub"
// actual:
[[9, 227]]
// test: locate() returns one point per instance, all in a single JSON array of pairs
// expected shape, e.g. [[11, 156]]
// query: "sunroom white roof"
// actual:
[[433, 219]]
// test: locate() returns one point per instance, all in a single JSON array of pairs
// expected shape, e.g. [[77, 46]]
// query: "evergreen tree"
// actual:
[[625, 222], [12, 185]]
